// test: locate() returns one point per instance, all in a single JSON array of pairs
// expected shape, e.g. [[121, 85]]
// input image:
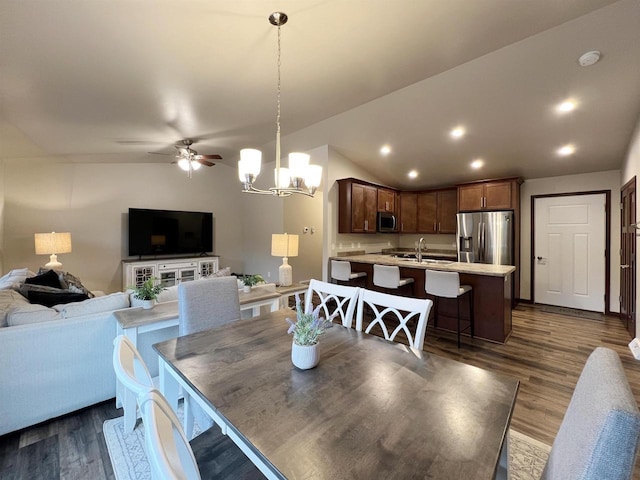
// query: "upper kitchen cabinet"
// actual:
[[428, 212], [387, 200], [447, 208], [357, 206], [489, 195], [408, 212]]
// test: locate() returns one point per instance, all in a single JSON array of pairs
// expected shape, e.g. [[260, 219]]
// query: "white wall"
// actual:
[[91, 201], [630, 169], [571, 184], [2, 180]]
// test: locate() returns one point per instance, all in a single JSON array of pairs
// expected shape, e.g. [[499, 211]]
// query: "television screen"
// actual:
[[169, 232]]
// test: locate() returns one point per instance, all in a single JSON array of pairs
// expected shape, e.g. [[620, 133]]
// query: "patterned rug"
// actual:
[[527, 456]]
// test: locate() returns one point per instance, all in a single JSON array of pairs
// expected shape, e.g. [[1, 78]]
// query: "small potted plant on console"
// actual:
[[148, 292], [251, 281]]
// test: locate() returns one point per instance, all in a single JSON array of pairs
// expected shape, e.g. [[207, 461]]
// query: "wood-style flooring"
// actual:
[[546, 352]]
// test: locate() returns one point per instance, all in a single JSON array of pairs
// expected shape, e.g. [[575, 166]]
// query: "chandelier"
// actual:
[[300, 177]]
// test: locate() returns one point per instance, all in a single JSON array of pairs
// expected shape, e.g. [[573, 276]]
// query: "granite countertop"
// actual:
[[426, 253], [453, 266]]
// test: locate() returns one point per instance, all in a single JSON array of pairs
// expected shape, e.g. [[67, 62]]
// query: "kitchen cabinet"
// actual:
[[408, 212], [428, 212], [489, 195], [386, 200], [357, 206]]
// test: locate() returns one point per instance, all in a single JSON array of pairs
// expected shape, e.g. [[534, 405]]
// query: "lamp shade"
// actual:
[[48, 243], [284, 245]]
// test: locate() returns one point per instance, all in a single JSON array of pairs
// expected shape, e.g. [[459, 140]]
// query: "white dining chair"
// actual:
[[341, 271], [388, 276], [394, 312], [133, 374], [447, 285], [340, 300], [168, 450]]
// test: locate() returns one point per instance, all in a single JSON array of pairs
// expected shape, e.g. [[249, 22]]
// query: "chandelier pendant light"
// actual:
[[300, 177]]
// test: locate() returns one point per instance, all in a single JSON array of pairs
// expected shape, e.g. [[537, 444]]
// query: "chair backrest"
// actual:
[[341, 270], [400, 309], [168, 450], [386, 276], [340, 299], [442, 284], [129, 366], [204, 304], [598, 437]]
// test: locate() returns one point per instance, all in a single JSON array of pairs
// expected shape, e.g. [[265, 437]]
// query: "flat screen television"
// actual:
[[169, 232]]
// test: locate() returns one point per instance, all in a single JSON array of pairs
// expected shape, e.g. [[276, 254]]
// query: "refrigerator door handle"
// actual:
[[483, 251], [480, 242]]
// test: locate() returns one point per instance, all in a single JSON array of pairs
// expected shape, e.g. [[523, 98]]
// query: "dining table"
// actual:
[[370, 409]]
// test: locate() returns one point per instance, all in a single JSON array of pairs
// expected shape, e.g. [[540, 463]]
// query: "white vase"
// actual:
[[305, 356], [147, 304], [246, 289]]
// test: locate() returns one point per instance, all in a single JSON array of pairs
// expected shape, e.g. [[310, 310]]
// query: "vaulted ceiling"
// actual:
[[98, 81]]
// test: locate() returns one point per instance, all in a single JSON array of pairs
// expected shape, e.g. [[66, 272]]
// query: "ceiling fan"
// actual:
[[189, 160]]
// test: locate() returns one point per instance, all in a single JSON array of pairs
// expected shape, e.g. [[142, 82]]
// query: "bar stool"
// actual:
[[341, 271], [447, 285], [388, 276]]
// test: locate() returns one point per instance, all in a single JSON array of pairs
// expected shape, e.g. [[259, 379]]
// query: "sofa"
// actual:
[[58, 359]]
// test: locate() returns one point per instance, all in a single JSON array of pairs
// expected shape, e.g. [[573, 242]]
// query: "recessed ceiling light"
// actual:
[[566, 150], [566, 106], [477, 163], [589, 58], [385, 150], [412, 174], [457, 132]]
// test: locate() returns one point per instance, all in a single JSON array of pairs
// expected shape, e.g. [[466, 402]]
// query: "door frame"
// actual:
[[607, 245], [630, 184]]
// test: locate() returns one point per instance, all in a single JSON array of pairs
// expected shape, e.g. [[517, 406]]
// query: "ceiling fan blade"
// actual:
[[159, 153], [206, 163], [208, 157]]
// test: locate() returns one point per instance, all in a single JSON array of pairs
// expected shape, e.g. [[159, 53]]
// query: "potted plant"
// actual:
[[251, 281], [148, 292], [306, 330]]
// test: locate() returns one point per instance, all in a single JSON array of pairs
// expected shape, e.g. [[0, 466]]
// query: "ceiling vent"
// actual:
[[589, 58]]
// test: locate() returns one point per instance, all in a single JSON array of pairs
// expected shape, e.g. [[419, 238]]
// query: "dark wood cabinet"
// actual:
[[489, 195], [357, 207], [386, 200], [447, 208], [408, 212], [427, 212]]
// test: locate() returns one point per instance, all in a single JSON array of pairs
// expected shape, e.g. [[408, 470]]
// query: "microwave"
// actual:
[[386, 222]]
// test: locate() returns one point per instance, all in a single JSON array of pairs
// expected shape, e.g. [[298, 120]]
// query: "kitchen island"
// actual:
[[492, 287]]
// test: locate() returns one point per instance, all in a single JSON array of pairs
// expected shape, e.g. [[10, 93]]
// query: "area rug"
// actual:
[[572, 312], [527, 456]]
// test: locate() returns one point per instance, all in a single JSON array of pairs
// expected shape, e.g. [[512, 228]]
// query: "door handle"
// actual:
[[625, 266], [541, 258]]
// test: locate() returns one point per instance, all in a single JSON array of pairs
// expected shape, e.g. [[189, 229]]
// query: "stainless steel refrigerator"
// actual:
[[486, 237]]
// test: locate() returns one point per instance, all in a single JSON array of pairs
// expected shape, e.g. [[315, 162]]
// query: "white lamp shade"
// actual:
[[284, 245], [285, 177], [183, 163], [298, 164], [49, 243], [252, 160], [313, 176], [195, 165]]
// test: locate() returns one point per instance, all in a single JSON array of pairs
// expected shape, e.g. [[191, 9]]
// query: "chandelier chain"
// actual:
[[279, 88]]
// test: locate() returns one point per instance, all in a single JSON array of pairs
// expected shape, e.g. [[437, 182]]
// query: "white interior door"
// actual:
[[569, 251]]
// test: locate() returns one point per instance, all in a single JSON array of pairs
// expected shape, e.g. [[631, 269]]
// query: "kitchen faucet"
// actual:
[[419, 253]]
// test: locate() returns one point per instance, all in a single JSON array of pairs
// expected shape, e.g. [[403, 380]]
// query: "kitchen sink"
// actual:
[[426, 261]]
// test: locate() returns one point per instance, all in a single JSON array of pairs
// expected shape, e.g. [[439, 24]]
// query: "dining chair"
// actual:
[[447, 285], [599, 434], [208, 303], [133, 374], [341, 271], [388, 276], [388, 310], [334, 299]]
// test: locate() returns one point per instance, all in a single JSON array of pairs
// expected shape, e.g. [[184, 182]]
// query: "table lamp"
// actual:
[[51, 244], [284, 245]]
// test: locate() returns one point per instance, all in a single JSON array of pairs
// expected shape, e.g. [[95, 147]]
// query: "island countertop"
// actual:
[[460, 267]]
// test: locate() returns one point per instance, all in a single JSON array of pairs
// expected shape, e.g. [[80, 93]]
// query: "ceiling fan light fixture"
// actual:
[[183, 163], [300, 177]]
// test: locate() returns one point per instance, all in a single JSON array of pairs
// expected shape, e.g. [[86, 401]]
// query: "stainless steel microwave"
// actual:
[[386, 222]]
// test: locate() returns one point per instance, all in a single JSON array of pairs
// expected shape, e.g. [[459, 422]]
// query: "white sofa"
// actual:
[[55, 361]]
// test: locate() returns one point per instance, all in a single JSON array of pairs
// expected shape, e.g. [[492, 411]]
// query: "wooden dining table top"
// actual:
[[370, 409]]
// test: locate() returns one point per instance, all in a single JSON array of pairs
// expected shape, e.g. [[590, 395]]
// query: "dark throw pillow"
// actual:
[[49, 299], [48, 279]]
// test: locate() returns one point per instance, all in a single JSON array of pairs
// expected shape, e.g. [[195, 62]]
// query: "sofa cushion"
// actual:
[[9, 301], [73, 284], [223, 272], [29, 314], [15, 276], [114, 301], [49, 299], [48, 278], [169, 294]]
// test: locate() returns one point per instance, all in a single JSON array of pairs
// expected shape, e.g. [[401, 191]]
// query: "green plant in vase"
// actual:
[[148, 291], [251, 281]]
